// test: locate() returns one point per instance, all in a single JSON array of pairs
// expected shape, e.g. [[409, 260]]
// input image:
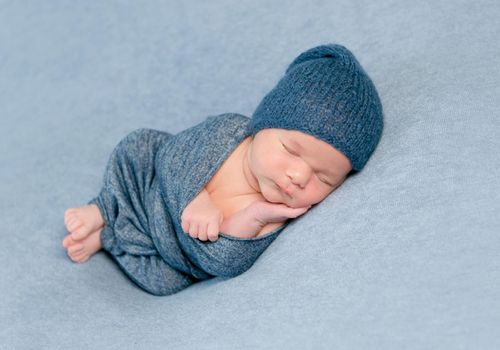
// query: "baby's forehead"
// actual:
[[310, 146], [296, 136]]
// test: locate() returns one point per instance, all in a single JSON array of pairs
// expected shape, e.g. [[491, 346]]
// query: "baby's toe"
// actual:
[[69, 214], [79, 257], [80, 233], [75, 258], [74, 224], [83, 258], [68, 241], [75, 248]]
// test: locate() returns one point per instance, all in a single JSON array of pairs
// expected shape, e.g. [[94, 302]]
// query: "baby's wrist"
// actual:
[[242, 224], [256, 213]]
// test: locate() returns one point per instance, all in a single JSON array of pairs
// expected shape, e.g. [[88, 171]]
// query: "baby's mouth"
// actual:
[[282, 190]]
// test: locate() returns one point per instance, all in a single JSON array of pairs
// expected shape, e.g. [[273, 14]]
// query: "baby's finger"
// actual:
[[294, 212], [202, 233], [193, 230], [213, 231], [185, 226]]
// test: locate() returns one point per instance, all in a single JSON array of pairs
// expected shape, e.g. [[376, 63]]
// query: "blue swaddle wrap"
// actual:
[[150, 178], [184, 165]]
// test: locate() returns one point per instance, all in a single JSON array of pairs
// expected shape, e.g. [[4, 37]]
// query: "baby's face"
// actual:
[[295, 168]]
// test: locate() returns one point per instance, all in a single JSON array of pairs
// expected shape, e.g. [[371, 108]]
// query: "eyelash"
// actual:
[[287, 149], [326, 183]]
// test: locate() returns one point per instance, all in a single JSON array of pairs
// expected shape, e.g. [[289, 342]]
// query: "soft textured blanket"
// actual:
[[150, 178]]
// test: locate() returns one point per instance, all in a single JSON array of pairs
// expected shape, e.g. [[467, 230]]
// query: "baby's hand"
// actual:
[[267, 212], [201, 218]]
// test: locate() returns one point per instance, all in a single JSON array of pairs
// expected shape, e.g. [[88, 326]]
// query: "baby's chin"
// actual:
[[276, 199], [287, 203]]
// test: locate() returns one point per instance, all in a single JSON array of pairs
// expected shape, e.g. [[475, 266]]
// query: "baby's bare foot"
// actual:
[[80, 251], [80, 222]]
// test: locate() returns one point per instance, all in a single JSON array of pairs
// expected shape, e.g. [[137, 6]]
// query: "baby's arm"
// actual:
[[249, 221], [203, 220], [242, 224]]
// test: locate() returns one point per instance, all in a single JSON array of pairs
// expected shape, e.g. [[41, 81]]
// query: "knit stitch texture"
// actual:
[[326, 93]]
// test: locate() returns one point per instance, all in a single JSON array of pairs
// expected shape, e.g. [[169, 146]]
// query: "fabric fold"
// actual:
[[150, 178]]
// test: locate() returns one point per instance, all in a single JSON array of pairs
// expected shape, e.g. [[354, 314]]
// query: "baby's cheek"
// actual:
[[315, 195]]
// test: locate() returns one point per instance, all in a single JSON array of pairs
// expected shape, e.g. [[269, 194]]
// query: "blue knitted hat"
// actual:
[[326, 93]]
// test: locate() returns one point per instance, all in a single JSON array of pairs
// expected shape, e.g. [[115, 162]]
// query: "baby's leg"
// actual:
[[123, 203], [149, 272], [127, 177]]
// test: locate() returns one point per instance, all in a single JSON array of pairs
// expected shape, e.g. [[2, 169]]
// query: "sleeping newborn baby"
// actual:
[[276, 175], [206, 202]]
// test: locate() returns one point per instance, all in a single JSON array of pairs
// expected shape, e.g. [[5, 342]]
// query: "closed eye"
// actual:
[[325, 182], [288, 149]]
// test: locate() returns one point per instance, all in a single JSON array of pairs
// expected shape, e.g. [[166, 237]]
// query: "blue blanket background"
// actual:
[[403, 255]]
